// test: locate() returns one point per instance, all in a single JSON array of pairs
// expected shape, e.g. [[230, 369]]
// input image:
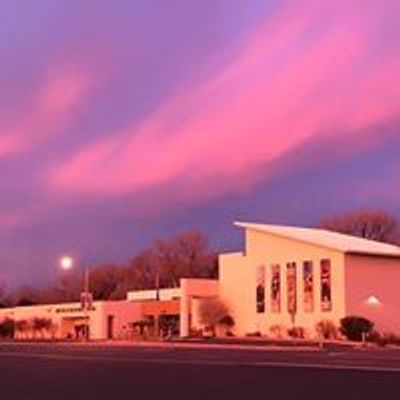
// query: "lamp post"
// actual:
[[67, 263]]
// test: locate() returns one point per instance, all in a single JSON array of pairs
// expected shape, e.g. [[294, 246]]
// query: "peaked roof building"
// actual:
[[332, 240]]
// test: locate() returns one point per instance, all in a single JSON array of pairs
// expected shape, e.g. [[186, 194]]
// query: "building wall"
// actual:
[[192, 290], [374, 276], [62, 316], [123, 312], [164, 294], [238, 276]]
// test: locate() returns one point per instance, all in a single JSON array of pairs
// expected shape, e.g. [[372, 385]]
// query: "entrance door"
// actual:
[[110, 326]]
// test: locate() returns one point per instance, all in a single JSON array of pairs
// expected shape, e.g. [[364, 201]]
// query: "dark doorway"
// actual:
[[110, 326]]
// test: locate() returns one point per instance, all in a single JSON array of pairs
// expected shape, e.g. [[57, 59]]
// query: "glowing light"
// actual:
[[66, 262], [373, 301]]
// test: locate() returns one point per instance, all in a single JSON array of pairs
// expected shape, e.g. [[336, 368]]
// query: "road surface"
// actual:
[[48, 371]]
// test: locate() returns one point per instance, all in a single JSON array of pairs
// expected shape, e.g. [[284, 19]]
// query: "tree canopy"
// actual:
[[366, 223], [163, 263]]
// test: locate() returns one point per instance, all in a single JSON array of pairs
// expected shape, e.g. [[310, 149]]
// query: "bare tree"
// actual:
[[166, 261], [41, 325], [22, 326], [104, 280], [186, 255], [4, 295], [214, 312], [369, 224]]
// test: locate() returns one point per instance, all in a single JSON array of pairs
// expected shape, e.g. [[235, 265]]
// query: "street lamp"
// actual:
[[67, 263]]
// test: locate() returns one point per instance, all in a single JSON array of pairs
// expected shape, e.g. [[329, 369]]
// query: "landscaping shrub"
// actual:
[[196, 333], [7, 328], [214, 312], [297, 332], [278, 331], [354, 327], [228, 323], [41, 325], [384, 339], [253, 334], [327, 330]]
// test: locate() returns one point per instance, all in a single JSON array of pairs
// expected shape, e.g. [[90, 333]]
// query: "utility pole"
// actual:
[[157, 316]]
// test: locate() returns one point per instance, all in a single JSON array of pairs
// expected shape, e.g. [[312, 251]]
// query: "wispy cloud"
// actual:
[[49, 112], [297, 77]]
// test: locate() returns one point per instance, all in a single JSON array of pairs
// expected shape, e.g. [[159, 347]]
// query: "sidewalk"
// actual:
[[226, 344], [194, 345]]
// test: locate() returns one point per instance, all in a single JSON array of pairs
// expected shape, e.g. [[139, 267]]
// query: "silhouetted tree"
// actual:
[[22, 326], [186, 255], [370, 224], [5, 296], [166, 261], [41, 325], [214, 312]]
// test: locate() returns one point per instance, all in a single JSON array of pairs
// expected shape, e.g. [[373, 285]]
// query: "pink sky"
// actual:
[[122, 124]]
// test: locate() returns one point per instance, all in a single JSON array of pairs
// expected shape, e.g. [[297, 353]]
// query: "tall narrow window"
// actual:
[[276, 288], [291, 288], [326, 286], [308, 281], [260, 291]]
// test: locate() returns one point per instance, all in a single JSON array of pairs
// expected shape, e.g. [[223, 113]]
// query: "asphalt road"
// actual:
[[45, 371]]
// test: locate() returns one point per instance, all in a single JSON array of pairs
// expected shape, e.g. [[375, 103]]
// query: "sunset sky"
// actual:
[[125, 121]]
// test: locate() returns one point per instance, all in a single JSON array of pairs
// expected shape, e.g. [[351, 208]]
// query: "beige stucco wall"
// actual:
[[374, 276], [123, 312], [192, 290], [164, 294], [238, 282]]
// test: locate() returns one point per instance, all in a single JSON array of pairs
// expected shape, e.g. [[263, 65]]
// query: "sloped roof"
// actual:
[[324, 238]]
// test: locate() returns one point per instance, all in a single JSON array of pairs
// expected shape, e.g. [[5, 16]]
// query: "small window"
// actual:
[[326, 285]]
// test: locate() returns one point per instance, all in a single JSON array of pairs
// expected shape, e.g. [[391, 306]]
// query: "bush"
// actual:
[[214, 312], [228, 322], [7, 328], [384, 339], [297, 332], [278, 331], [41, 325], [253, 334], [354, 327], [196, 333], [327, 330]]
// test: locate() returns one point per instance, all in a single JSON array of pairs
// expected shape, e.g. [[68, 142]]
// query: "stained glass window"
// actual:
[[291, 288], [276, 288], [326, 292], [260, 289], [308, 281]]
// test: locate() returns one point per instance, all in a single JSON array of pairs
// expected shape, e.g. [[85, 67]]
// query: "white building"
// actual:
[[285, 277], [106, 319], [296, 276]]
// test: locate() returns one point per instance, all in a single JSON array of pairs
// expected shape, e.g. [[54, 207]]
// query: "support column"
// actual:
[[184, 316], [184, 320]]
